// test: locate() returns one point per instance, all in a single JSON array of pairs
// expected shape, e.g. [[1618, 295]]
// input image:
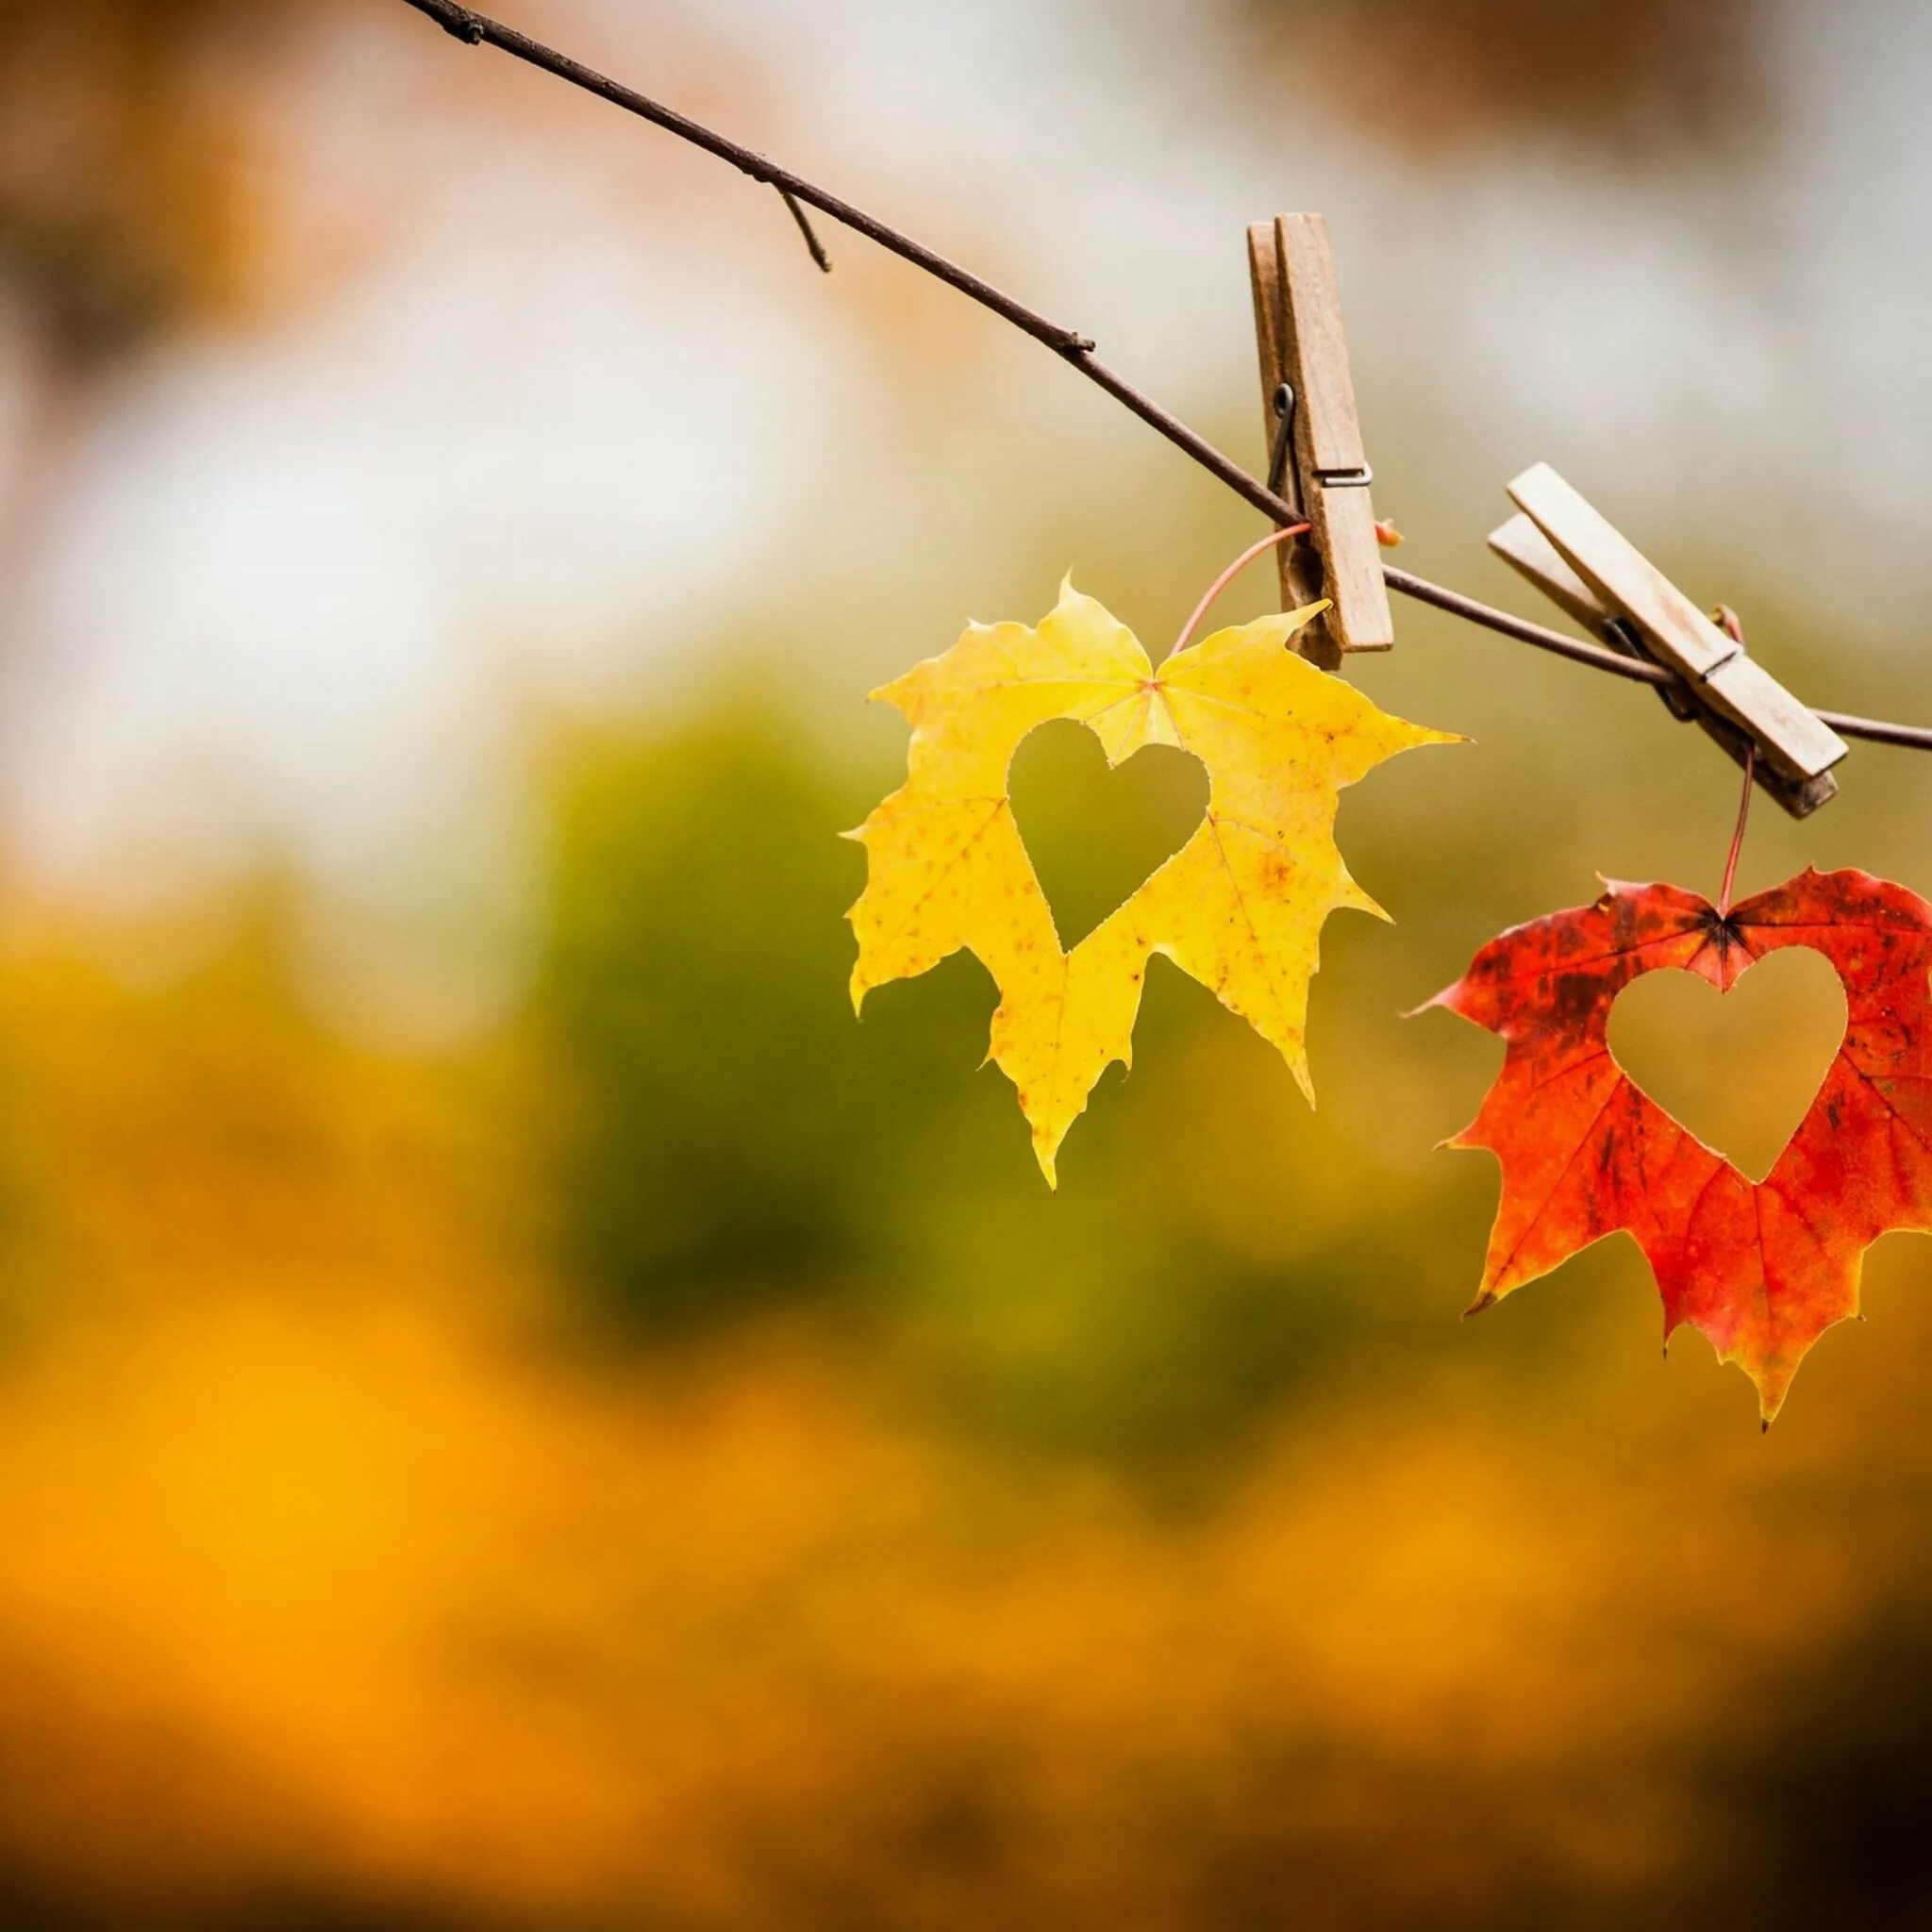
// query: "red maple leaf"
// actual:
[[1762, 1268]]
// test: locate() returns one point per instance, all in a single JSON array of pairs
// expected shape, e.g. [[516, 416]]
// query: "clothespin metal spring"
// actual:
[[1360, 478]]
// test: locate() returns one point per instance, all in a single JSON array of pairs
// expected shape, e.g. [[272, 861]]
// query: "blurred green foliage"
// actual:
[[733, 1140], [695, 985]]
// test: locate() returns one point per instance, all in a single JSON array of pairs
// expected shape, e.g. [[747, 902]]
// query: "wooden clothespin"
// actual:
[[1315, 440], [1583, 563]]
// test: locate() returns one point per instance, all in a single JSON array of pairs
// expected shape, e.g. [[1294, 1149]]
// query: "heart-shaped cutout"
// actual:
[[1094, 834], [1738, 1069]]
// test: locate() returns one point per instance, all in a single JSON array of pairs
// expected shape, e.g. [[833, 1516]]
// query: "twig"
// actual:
[[805, 228], [478, 29], [1556, 642]]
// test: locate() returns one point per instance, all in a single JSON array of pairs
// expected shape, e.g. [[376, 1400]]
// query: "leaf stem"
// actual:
[[1723, 897], [1728, 619], [1228, 575]]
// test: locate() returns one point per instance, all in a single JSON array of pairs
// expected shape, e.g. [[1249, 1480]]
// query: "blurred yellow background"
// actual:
[[515, 1412]]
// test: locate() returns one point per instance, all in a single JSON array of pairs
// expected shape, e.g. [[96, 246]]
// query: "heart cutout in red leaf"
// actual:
[[1738, 1069]]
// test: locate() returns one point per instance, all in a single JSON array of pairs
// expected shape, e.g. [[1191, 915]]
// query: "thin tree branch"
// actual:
[[1638, 671], [478, 29], [1560, 643]]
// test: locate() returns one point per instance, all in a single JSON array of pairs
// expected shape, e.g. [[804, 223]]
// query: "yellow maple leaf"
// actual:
[[1240, 907]]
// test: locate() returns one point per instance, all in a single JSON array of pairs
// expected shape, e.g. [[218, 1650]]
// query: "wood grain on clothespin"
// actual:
[[1304, 354], [1572, 553]]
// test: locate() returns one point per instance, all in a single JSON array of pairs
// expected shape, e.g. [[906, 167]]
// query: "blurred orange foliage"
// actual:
[[332, 1572]]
